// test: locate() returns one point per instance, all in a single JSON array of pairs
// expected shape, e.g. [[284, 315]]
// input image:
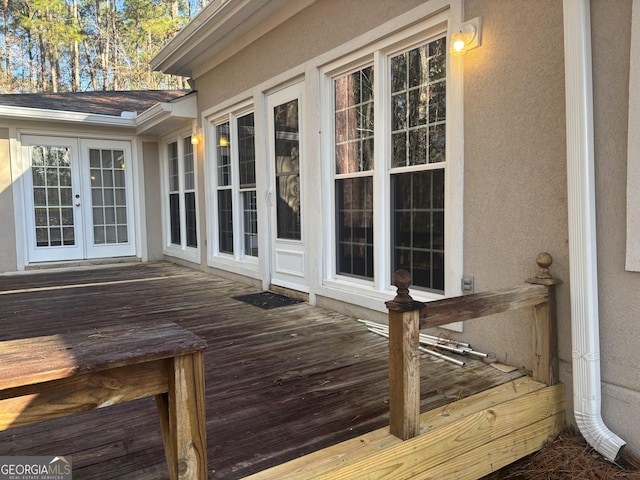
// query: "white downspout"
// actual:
[[587, 396]]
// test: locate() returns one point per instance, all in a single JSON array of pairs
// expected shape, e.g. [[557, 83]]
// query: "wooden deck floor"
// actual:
[[280, 383]]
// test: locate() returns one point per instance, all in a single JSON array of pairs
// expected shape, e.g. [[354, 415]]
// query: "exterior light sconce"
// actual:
[[468, 36], [196, 135]]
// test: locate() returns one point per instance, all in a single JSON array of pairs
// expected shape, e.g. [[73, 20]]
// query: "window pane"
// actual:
[[223, 143], [246, 151], [418, 105], [287, 167], [174, 218], [354, 229], [190, 213], [418, 226], [174, 179], [225, 222], [250, 223], [51, 175], [353, 100], [189, 171]]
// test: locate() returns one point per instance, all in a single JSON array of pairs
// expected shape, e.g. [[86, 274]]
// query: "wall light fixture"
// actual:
[[467, 36], [196, 135]]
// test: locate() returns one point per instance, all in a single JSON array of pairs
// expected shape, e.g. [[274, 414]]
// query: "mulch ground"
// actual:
[[569, 457]]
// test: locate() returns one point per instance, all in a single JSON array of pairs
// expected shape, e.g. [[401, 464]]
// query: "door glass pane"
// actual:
[[52, 198], [108, 190], [287, 166]]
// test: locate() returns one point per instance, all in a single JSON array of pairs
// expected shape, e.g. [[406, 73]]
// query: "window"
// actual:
[[418, 153], [182, 228], [353, 99], [237, 230], [411, 168]]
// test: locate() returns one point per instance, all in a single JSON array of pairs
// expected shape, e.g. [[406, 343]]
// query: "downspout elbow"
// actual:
[[596, 433]]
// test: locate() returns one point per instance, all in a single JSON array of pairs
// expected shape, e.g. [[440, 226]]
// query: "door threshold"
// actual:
[[289, 292], [82, 263]]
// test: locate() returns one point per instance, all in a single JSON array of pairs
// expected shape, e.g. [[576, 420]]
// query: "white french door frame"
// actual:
[[84, 245], [288, 266]]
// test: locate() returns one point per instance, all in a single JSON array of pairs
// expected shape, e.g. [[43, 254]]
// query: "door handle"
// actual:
[[269, 196], [77, 204]]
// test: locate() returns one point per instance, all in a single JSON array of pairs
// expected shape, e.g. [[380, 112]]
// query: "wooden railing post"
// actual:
[[404, 360], [545, 338]]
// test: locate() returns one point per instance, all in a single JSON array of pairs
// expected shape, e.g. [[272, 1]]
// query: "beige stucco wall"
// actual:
[[153, 200], [515, 169], [7, 223], [618, 289], [324, 25]]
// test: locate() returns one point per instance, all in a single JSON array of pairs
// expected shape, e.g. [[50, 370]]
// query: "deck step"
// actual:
[[466, 439]]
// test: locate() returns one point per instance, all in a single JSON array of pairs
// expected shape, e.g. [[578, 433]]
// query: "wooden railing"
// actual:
[[407, 317]]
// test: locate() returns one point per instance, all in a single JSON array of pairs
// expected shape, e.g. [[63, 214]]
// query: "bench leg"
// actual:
[[182, 418]]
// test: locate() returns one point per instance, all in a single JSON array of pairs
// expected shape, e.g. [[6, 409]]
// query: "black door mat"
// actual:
[[267, 300]]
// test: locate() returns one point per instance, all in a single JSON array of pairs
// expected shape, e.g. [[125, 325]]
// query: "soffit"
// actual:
[[221, 29]]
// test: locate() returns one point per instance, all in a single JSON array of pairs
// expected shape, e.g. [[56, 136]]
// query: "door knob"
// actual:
[[77, 204]]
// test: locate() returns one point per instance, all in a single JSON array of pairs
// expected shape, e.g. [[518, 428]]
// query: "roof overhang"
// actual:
[[62, 116], [157, 120], [166, 116], [220, 30]]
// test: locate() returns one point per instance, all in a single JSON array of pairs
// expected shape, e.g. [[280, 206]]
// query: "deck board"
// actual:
[[280, 383]]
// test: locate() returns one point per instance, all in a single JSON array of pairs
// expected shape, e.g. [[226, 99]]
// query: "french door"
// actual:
[[286, 154], [78, 199]]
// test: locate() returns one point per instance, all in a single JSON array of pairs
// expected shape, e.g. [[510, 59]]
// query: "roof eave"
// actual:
[[215, 31], [164, 116], [41, 114]]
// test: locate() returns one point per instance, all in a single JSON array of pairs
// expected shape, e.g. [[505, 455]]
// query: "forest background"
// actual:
[[88, 45]]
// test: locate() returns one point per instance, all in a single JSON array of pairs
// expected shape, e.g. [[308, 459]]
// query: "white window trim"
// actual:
[[374, 294], [182, 251], [237, 262], [633, 147]]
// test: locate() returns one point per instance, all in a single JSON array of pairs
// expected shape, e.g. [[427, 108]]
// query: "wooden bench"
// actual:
[[52, 376]]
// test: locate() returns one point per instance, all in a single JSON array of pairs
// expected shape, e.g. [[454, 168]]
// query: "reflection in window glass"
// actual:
[[287, 167], [354, 204]]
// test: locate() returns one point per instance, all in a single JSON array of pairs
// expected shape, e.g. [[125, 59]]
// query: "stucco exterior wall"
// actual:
[[618, 289], [515, 163], [317, 29], [7, 224], [153, 200]]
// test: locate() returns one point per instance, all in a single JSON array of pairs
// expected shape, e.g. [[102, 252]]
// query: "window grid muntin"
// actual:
[[235, 175], [353, 96], [108, 196], [52, 196], [190, 214], [354, 227], [245, 132], [418, 105], [353, 164]]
